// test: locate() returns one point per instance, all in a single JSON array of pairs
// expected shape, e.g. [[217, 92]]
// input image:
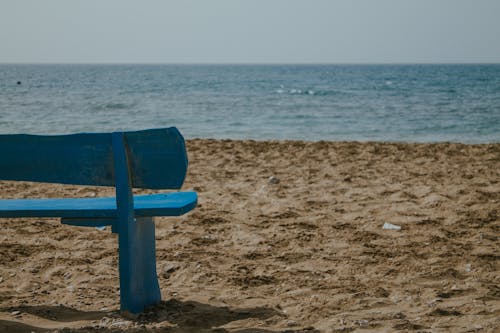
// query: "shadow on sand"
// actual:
[[186, 317]]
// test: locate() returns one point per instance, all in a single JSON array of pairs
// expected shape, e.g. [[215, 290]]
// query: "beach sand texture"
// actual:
[[303, 252]]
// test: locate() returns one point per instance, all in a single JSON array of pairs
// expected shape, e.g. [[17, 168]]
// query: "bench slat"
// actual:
[[164, 204], [85, 222], [157, 158], [83, 159]]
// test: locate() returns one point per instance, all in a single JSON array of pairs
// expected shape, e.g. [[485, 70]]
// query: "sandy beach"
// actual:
[[288, 236]]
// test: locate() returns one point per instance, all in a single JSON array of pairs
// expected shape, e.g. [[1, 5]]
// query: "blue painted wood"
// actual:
[[89, 222], [162, 204], [157, 158], [139, 285], [146, 159], [135, 240], [83, 159], [142, 289]]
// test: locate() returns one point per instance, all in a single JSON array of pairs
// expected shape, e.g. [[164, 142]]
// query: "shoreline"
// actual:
[[375, 142]]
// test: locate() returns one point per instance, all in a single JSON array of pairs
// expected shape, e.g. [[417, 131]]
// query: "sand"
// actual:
[[304, 251]]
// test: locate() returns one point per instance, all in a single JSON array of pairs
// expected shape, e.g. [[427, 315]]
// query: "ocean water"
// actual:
[[411, 103]]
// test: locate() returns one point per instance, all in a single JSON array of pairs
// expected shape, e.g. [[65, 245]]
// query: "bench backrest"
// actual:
[[156, 158]]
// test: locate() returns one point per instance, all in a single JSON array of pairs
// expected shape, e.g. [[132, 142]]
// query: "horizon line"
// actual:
[[250, 63]]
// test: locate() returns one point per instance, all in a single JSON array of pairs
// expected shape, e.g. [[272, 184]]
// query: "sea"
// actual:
[[394, 103]]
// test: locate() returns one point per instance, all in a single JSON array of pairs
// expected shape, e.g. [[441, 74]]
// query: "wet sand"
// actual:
[[304, 251]]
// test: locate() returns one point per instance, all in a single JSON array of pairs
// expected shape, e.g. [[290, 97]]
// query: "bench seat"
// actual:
[[164, 204]]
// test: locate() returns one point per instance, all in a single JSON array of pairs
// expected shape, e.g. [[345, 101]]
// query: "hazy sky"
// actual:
[[249, 31]]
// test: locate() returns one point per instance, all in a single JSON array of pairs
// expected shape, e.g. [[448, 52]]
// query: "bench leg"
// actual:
[[138, 281]]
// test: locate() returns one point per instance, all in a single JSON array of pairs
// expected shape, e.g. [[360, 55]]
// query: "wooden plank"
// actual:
[[124, 222], [163, 204], [139, 287], [89, 222], [84, 159], [157, 158]]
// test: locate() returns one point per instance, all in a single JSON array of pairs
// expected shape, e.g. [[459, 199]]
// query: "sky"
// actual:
[[250, 31]]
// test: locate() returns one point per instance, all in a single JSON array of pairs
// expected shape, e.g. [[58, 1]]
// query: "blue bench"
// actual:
[[151, 159]]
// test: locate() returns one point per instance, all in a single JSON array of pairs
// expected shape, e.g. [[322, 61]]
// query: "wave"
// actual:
[[308, 92], [111, 106]]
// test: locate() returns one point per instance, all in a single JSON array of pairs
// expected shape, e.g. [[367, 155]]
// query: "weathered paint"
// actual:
[[162, 204], [153, 159], [157, 158]]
